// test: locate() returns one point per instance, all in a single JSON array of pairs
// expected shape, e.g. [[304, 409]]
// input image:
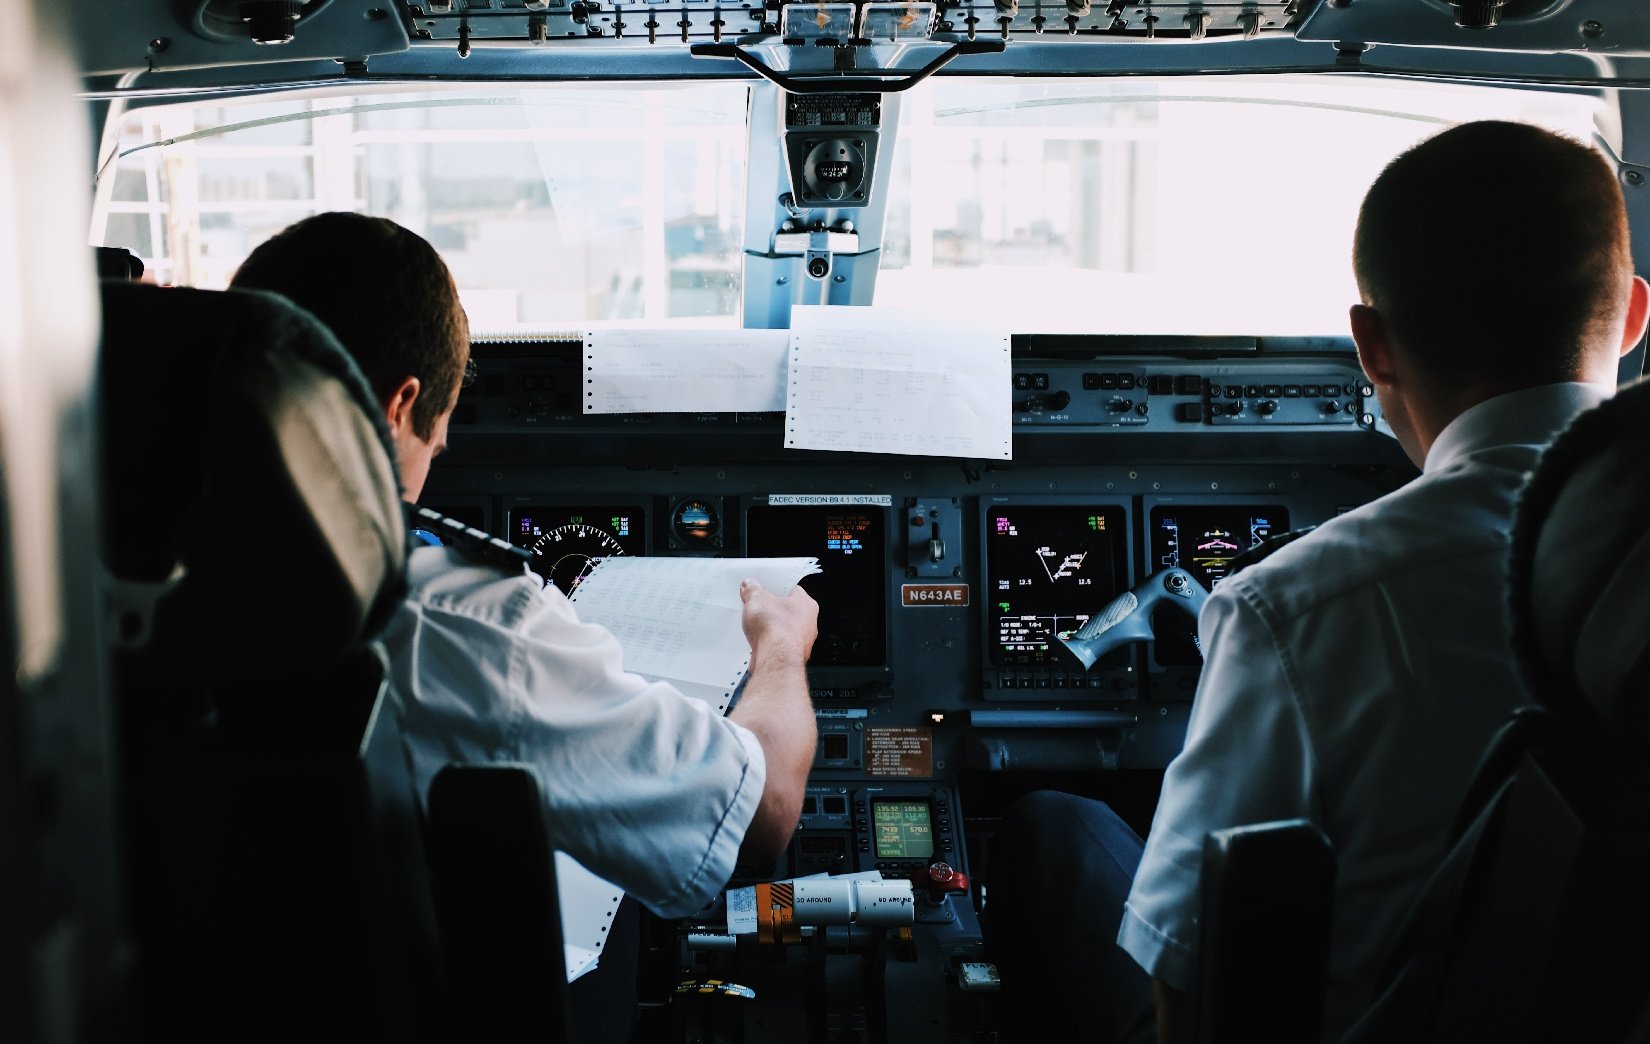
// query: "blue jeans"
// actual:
[[1060, 868]]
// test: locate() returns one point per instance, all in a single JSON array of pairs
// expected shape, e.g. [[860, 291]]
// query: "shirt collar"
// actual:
[[1529, 417]]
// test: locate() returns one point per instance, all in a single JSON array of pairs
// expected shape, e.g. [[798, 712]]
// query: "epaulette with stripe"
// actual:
[[472, 543]]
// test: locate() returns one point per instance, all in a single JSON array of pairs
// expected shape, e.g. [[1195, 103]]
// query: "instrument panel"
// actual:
[[946, 584]]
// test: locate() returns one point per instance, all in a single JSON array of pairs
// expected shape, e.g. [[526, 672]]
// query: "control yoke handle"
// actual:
[[1128, 617]]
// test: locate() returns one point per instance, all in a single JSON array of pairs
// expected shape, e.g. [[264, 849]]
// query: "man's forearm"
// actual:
[[1171, 1008], [776, 708]]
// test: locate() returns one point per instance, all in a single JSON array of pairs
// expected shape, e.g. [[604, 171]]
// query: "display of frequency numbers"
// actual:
[[904, 829]]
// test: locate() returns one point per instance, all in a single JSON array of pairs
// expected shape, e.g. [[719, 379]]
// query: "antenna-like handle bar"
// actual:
[[1128, 617]]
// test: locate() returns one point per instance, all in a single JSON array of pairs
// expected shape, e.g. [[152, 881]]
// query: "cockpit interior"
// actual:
[[1080, 274]]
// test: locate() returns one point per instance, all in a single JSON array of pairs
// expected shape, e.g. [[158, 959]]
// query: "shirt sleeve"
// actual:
[[646, 787], [643, 786], [1247, 760]]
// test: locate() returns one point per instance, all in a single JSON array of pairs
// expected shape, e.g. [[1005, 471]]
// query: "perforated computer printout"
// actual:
[[678, 621]]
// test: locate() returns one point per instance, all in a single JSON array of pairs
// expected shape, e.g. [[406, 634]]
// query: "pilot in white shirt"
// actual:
[[643, 786], [1348, 672], [1355, 676]]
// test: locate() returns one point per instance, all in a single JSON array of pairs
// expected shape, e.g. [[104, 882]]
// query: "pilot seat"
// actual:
[[1533, 928], [280, 878]]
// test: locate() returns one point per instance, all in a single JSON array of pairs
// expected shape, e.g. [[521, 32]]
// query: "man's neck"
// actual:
[[1442, 403], [1431, 413]]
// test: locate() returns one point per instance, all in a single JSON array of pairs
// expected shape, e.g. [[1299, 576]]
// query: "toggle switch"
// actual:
[[934, 528]]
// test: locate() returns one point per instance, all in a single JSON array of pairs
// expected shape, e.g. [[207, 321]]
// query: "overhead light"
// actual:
[[818, 21], [891, 22]]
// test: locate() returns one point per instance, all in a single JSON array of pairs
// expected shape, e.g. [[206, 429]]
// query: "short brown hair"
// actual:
[[383, 291], [1495, 251]]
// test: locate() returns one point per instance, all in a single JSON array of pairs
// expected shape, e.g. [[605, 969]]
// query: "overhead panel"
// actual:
[[167, 35], [467, 23], [1602, 27]]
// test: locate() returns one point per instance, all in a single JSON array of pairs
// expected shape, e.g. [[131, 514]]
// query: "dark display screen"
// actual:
[[903, 829], [1202, 539], [850, 541], [1048, 568], [565, 540]]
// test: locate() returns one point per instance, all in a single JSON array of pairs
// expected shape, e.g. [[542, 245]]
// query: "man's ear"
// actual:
[[1638, 311], [398, 407], [1369, 333]]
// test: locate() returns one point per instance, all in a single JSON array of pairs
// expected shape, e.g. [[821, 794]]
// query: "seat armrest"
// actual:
[[1268, 894], [494, 879]]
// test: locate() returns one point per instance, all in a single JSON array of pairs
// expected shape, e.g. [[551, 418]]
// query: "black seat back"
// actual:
[[245, 473], [1530, 930], [255, 545]]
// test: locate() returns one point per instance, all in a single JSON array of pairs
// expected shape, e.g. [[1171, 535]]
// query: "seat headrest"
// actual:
[[1579, 600], [242, 444], [117, 263]]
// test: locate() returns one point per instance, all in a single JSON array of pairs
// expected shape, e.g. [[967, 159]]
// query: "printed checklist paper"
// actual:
[[875, 380], [684, 371], [678, 621]]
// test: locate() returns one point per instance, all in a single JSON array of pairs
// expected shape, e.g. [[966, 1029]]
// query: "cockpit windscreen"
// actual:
[[850, 541]]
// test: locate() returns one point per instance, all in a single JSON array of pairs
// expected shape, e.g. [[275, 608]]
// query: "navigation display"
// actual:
[[1048, 567], [566, 540], [850, 541], [1203, 539], [903, 829]]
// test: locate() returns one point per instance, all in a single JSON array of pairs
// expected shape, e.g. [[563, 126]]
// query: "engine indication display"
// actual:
[[850, 541], [1203, 539], [566, 541], [1049, 566]]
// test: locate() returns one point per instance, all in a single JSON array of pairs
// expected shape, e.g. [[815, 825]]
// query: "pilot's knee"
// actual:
[[1050, 815]]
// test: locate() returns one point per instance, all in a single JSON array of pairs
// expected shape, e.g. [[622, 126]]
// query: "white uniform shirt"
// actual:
[[1354, 679], [642, 785]]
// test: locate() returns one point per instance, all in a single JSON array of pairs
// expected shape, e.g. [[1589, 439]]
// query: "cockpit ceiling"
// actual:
[[1554, 41]]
